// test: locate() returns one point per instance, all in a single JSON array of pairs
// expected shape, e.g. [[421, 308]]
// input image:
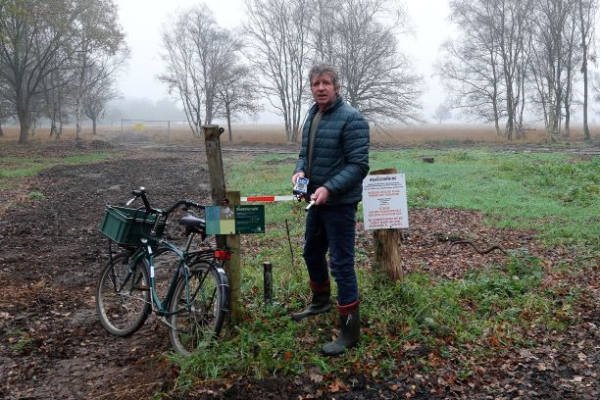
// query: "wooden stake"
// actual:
[[233, 267], [212, 141], [387, 245]]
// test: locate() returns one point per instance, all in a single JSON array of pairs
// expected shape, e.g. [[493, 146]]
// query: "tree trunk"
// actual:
[[229, 125], [33, 126], [77, 119], [510, 108], [1, 130], [387, 245], [24, 121], [584, 71], [94, 124], [387, 252]]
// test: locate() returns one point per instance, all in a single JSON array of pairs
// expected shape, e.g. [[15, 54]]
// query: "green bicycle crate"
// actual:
[[126, 226]]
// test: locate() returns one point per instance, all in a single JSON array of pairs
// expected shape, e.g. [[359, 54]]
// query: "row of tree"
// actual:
[[512, 58], [58, 60], [519, 56], [219, 72]]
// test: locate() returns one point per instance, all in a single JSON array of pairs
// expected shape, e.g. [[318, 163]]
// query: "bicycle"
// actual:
[[197, 300]]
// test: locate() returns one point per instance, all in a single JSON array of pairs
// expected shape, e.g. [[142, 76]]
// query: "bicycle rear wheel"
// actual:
[[198, 310], [123, 295]]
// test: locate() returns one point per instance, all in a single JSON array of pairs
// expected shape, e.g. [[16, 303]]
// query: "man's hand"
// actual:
[[296, 176], [320, 195]]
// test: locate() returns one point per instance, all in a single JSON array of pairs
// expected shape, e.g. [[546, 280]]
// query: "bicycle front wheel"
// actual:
[[199, 308], [123, 295]]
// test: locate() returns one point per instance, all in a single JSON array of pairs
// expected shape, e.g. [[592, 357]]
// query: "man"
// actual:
[[335, 159]]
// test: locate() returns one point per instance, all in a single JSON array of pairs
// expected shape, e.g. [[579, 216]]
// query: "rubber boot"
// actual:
[[318, 305], [349, 333]]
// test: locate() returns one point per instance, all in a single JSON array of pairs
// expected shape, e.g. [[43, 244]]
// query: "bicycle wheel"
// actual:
[[123, 295], [197, 318]]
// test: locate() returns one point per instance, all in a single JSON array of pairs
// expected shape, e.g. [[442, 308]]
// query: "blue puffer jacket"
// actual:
[[340, 155]]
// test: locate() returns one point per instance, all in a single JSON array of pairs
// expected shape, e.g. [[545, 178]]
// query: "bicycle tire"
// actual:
[[196, 321], [123, 295]]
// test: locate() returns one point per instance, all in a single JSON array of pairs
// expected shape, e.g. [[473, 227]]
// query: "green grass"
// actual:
[[23, 167], [424, 317], [557, 194]]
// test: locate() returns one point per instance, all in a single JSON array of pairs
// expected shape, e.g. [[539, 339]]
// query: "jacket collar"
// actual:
[[336, 104]]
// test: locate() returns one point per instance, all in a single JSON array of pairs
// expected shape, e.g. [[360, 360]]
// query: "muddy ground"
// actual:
[[53, 347]]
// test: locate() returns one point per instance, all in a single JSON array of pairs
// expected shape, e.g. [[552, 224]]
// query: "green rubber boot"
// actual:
[[319, 304], [349, 335]]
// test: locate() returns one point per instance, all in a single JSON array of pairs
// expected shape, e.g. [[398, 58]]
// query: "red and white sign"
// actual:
[[385, 204]]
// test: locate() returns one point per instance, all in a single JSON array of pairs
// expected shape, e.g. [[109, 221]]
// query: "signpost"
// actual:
[[385, 211]]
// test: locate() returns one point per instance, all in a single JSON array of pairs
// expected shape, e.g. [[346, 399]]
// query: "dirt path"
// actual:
[[53, 347]]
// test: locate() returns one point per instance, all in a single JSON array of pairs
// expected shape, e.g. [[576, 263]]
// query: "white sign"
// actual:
[[384, 202]]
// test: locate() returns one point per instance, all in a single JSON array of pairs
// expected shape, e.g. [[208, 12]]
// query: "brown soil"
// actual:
[[53, 347]]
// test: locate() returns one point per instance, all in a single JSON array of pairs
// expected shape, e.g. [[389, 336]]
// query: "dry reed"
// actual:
[[248, 133]]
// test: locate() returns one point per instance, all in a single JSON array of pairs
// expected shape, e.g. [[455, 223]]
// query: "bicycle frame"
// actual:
[[148, 253], [193, 303]]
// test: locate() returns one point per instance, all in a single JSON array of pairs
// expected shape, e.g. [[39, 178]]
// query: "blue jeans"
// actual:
[[333, 228]]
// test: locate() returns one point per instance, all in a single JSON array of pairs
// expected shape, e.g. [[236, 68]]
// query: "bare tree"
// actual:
[[378, 79], [471, 69], [572, 59], [96, 98], [101, 51], [512, 34], [486, 66], [197, 53], [238, 93], [278, 32], [587, 17], [57, 90], [442, 113], [549, 61]]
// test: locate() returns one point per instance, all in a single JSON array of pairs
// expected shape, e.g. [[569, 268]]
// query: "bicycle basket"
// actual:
[[126, 226]]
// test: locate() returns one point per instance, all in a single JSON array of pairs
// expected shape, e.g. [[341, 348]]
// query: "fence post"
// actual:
[[268, 282], [212, 142], [215, 168]]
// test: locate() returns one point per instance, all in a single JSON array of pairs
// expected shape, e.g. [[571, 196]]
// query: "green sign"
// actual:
[[230, 220], [250, 219]]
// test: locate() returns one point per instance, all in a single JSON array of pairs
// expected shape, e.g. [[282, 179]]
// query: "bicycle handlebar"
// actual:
[[141, 192]]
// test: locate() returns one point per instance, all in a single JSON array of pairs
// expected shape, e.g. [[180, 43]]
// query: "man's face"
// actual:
[[323, 90]]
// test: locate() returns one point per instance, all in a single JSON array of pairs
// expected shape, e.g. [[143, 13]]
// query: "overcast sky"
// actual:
[[142, 21]]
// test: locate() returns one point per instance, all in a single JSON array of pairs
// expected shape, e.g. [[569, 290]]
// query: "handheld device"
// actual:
[[301, 188]]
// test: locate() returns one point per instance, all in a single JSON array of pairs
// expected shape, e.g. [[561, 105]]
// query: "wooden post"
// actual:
[[212, 142], [387, 245], [233, 266], [268, 282]]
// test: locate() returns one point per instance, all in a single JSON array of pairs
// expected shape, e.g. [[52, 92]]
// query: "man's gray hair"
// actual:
[[325, 69]]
